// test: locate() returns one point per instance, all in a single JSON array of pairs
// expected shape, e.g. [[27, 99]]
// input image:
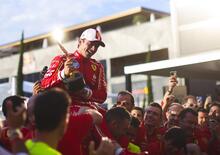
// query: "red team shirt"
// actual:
[[152, 143]]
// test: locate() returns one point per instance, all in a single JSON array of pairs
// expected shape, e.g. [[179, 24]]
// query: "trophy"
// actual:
[[76, 81]]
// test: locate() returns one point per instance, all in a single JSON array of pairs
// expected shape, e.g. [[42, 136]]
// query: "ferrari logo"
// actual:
[[94, 67]]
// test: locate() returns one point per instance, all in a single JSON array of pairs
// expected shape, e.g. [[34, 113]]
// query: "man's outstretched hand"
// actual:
[[15, 118]]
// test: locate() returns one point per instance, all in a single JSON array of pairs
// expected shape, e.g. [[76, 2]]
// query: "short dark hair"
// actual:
[[117, 114], [202, 110], [139, 108], [183, 113], [177, 137], [125, 92], [16, 102], [50, 108]]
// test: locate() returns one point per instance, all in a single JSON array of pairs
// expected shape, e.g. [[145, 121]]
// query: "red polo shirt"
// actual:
[[151, 143]]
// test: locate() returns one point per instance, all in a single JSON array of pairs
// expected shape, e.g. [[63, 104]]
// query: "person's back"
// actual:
[[50, 113]]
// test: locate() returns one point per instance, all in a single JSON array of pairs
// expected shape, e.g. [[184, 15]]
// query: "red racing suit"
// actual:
[[92, 71]]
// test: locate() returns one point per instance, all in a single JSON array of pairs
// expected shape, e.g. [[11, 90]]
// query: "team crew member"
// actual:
[[16, 102], [63, 67], [149, 136]]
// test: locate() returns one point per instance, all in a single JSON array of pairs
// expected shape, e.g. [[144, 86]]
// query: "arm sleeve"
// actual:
[[99, 95], [53, 75]]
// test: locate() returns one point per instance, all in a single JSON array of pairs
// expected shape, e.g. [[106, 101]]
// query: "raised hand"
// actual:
[[172, 83], [37, 88], [68, 67], [15, 118]]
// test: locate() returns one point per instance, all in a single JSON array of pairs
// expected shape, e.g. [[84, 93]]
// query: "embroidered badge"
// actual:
[[75, 64], [93, 67]]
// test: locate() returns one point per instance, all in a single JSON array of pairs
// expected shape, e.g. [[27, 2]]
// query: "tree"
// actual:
[[19, 88], [149, 88], [149, 80]]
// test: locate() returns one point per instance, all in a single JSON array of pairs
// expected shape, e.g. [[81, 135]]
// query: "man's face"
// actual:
[[138, 114], [125, 101], [191, 103], [88, 48], [172, 115], [214, 111], [120, 128], [202, 118], [152, 116], [188, 123]]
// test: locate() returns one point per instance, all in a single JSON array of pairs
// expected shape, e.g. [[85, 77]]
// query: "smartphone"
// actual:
[[173, 73], [199, 101]]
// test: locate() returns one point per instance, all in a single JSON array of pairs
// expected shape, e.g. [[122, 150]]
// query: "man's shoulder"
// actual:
[[95, 62], [58, 57]]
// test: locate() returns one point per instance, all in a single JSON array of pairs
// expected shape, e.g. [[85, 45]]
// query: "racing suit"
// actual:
[[92, 71]]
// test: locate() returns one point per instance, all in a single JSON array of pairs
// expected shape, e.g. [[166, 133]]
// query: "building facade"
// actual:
[[129, 37]]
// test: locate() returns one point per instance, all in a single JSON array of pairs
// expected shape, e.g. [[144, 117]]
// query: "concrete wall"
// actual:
[[125, 41]]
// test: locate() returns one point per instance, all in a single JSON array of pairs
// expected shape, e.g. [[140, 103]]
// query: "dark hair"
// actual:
[[134, 122], [125, 92], [139, 109], [117, 114], [16, 102], [157, 105], [183, 113], [177, 137], [50, 108], [202, 110]]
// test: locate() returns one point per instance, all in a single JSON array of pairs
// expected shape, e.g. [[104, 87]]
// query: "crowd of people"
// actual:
[[64, 115]]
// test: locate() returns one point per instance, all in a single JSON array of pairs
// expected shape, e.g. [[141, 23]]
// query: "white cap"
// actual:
[[92, 35]]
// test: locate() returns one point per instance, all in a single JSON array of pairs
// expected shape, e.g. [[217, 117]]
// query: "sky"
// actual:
[[37, 17]]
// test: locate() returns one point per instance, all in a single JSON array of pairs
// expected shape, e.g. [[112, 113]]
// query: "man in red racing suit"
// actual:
[[80, 61]]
